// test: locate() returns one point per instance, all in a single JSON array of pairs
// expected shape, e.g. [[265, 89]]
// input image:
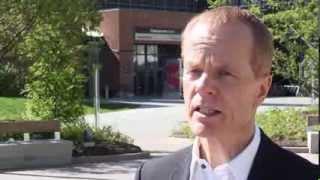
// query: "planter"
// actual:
[[313, 141]]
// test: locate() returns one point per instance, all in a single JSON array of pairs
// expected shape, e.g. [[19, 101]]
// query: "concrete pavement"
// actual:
[[121, 170], [116, 170]]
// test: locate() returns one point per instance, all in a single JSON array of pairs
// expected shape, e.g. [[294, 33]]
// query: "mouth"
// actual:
[[206, 111]]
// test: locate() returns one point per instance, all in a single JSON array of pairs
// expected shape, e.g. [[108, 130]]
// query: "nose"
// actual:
[[206, 85]]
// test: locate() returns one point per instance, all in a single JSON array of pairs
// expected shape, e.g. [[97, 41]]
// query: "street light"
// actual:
[[94, 55], [94, 52]]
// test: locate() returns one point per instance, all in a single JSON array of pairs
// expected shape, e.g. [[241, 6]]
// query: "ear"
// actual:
[[263, 88]]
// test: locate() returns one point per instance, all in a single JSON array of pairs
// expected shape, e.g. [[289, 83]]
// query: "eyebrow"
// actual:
[[208, 44], [217, 65]]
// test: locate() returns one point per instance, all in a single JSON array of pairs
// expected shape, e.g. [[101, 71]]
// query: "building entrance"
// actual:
[[156, 69]]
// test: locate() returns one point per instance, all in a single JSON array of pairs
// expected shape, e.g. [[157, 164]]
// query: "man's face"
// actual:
[[220, 89]]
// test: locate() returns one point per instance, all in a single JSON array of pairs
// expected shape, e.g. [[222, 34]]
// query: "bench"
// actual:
[[278, 90], [292, 90], [30, 153]]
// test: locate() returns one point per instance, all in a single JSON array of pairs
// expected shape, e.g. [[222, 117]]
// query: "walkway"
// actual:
[[150, 126], [123, 170]]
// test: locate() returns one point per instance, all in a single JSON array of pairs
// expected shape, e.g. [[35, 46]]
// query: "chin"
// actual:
[[200, 130]]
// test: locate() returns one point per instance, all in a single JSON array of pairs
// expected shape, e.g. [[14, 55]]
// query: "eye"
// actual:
[[193, 73], [225, 73]]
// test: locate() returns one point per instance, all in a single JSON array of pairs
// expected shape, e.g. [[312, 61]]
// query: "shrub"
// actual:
[[75, 133], [184, 131], [107, 134], [287, 124]]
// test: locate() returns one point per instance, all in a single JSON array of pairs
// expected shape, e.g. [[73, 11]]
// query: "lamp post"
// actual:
[[94, 53], [95, 44]]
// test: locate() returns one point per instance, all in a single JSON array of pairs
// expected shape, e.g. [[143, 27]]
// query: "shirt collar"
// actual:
[[240, 165]]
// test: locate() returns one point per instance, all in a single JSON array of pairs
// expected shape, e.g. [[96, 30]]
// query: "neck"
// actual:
[[219, 150]]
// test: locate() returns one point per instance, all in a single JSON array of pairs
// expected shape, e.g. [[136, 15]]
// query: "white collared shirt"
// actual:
[[236, 169]]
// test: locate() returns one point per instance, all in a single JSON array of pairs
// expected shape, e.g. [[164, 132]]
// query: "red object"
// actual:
[[172, 71]]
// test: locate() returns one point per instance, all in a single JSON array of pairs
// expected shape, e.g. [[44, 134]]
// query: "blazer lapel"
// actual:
[[182, 169], [263, 161]]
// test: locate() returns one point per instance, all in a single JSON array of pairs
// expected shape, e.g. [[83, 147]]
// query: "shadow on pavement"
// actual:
[[90, 171]]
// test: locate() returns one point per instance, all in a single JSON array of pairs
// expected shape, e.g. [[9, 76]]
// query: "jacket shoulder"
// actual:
[[273, 161], [163, 167], [296, 165]]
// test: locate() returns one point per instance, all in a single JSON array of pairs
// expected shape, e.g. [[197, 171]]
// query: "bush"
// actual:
[[54, 94], [75, 133], [183, 131], [287, 124], [107, 134]]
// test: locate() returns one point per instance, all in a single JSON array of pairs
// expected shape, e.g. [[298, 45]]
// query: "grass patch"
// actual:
[[89, 108], [13, 108]]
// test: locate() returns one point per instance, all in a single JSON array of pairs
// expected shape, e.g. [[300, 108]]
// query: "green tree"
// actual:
[[17, 19], [56, 47], [294, 27], [217, 3]]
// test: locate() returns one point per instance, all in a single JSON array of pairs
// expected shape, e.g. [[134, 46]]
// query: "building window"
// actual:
[[146, 68]]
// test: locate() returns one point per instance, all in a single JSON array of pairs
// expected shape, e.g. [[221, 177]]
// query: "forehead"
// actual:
[[230, 41]]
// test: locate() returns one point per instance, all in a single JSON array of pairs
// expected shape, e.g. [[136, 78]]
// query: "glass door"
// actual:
[[146, 67]]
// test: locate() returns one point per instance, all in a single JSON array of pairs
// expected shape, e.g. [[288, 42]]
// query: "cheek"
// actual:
[[251, 95], [187, 95], [187, 90], [240, 99]]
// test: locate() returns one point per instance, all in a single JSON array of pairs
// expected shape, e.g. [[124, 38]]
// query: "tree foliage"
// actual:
[[17, 19], [55, 84], [50, 36], [296, 39], [294, 28]]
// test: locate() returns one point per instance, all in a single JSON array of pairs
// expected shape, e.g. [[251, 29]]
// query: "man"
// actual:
[[227, 55]]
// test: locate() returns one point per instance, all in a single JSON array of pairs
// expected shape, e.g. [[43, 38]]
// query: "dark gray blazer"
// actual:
[[271, 163]]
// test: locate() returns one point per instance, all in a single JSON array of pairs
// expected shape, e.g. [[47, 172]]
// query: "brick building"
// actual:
[[142, 52]]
